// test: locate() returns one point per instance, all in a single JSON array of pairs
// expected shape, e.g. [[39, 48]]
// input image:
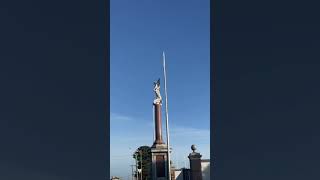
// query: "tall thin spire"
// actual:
[[167, 117]]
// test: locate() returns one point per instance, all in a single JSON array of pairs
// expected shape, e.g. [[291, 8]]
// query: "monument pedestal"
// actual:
[[159, 154]]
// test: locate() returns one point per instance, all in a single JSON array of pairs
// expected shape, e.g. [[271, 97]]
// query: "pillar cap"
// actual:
[[193, 147], [194, 154]]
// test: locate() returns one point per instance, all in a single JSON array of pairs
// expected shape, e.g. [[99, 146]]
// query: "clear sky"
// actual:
[[140, 31]]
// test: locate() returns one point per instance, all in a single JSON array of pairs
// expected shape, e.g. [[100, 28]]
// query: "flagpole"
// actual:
[[167, 118]]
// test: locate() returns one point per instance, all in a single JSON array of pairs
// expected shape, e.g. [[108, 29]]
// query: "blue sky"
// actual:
[[140, 31]]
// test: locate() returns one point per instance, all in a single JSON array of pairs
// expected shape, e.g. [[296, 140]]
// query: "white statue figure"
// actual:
[[156, 89]]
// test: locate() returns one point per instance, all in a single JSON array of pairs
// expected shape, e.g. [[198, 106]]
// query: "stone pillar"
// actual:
[[195, 164]]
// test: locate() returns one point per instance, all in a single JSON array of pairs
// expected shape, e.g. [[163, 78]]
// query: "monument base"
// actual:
[[159, 155]]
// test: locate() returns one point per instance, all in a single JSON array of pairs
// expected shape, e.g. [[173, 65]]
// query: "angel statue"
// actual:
[[156, 89]]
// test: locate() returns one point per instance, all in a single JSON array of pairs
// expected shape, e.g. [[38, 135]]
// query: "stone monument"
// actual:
[[159, 152]]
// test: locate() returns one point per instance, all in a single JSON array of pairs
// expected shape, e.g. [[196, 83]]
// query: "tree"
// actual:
[[143, 154]]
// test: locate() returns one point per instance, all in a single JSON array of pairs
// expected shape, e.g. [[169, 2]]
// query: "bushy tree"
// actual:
[[143, 154]]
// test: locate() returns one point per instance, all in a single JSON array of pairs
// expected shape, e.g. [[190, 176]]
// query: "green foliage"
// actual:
[[143, 154]]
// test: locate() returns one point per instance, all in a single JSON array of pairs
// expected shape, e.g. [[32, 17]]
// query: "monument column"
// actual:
[[158, 123], [159, 150]]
